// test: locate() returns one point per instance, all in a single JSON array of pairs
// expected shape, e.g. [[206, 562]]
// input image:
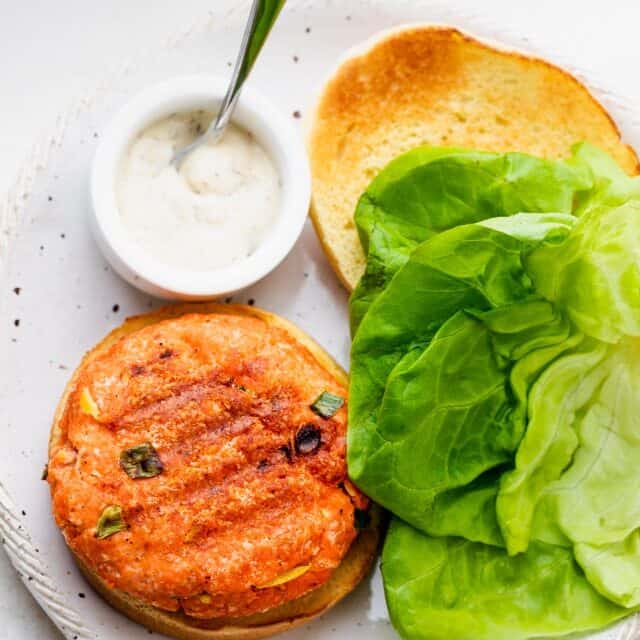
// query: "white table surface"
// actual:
[[52, 52]]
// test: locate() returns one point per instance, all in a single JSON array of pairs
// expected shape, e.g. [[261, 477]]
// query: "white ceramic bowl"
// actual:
[[256, 114]]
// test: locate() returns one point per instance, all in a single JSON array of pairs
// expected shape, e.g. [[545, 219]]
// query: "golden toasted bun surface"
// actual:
[[279, 616], [429, 85]]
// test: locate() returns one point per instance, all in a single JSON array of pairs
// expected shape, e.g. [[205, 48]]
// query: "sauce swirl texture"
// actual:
[[212, 212]]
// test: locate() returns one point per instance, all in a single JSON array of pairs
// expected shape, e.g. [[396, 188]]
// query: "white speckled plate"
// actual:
[[66, 298]]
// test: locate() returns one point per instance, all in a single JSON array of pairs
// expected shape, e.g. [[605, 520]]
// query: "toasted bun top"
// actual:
[[247, 510], [428, 85]]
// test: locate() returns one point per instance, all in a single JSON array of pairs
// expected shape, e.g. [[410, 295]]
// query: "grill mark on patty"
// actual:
[[195, 430], [204, 485], [192, 391], [228, 474], [216, 385], [164, 377], [224, 514]]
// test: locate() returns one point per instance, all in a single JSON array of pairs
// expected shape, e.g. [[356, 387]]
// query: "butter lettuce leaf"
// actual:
[[596, 269], [614, 569], [493, 395], [435, 390], [444, 588], [550, 441]]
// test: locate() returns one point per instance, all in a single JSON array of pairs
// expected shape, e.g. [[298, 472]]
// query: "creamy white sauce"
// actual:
[[214, 211]]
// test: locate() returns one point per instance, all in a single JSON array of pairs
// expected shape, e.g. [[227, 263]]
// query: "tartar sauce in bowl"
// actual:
[[221, 223], [212, 212]]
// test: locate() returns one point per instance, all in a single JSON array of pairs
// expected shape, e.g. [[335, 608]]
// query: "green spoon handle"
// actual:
[[262, 17]]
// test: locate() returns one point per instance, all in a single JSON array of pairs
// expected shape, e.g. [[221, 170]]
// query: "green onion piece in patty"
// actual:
[[110, 522], [327, 404], [142, 461]]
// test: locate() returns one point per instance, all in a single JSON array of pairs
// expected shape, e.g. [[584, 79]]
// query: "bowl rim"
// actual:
[[256, 114]]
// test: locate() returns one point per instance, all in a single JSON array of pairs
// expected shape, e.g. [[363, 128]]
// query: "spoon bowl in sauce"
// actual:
[[262, 16], [222, 220]]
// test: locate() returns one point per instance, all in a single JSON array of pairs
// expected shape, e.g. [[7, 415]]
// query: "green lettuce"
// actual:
[[430, 190], [444, 588], [492, 402]]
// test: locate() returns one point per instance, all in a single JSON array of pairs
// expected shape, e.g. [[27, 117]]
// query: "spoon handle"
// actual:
[[261, 18]]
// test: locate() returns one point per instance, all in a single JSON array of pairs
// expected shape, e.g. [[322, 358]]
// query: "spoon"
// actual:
[[262, 16]]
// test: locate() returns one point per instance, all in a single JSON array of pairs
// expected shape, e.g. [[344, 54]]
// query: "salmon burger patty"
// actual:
[[198, 465]]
